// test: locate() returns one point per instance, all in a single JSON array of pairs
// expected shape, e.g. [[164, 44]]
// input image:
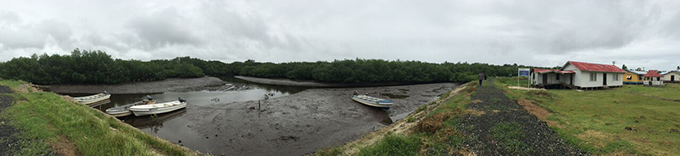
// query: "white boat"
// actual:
[[158, 108], [372, 101], [124, 110], [87, 100]]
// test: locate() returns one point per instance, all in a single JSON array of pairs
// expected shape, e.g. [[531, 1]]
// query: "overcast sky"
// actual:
[[532, 32]]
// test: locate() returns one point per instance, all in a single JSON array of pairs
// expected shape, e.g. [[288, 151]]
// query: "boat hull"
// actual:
[[124, 110], [92, 99], [144, 110], [380, 103], [120, 114]]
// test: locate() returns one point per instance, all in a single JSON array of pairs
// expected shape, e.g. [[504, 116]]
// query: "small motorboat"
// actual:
[[158, 108], [124, 110], [87, 100], [372, 101]]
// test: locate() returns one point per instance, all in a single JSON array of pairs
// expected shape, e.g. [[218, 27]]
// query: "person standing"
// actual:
[[481, 78]]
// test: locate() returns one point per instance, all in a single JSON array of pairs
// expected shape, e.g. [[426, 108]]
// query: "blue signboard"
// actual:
[[523, 72]]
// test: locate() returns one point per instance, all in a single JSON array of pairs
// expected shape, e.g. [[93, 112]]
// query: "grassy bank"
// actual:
[[51, 124], [629, 120], [430, 130]]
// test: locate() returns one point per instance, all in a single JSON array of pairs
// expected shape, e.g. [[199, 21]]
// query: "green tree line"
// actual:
[[93, 67], [97, 67]]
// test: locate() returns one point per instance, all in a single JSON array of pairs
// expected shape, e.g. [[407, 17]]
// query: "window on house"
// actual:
[[557, 77], [593, 76], [616, 77], [629, 77], [639, 77]]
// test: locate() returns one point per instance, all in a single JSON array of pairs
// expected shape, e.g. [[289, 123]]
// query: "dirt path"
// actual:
[[505, 128]]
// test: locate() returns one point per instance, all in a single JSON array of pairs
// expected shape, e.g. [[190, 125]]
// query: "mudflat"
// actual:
[[301, 123], [138, 87]]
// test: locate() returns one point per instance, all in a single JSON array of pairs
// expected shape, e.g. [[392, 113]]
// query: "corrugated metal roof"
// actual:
[[672, 71], [542, 71], [583, 66], [637, 72], [653, 73]]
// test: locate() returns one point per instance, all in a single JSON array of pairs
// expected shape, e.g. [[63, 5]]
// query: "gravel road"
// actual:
[[538, 138], [8, 142]]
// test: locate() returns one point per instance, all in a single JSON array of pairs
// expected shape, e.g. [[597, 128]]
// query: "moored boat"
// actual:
[[158, 108], [372, 101], [124, 110], [87, 100]]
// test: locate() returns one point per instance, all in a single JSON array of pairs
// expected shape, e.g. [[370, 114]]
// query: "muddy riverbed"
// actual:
[[225, 118]]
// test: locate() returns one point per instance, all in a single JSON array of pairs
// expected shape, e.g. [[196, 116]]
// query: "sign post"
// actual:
[[522, 72]]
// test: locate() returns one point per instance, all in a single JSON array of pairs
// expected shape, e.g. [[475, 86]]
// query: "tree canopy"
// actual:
[[97, 67]]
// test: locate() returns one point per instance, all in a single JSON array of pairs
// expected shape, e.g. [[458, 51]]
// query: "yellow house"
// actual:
[[633, 77]]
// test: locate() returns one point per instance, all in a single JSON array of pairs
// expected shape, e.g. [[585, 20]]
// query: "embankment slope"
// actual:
[[50, 123]]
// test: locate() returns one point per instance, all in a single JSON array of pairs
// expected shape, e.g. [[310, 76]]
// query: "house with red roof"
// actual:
[[653, 78], [579, 75]]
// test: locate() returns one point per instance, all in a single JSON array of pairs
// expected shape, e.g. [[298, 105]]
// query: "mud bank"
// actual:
[[288, 82], [139, 87], [300, 123]]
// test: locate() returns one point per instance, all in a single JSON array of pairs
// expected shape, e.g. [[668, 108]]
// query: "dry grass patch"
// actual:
[[64, 147], [538, 111], [475, 112], [433, 123], [596, 138]]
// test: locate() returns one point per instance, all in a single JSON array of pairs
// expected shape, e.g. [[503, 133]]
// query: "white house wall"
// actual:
[[667, 77], [610, 79], [578, 78], [585, 80]]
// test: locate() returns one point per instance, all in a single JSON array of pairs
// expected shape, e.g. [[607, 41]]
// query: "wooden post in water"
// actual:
[[258, 104]]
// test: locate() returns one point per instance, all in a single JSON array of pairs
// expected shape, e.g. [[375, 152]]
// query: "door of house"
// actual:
[[672, 78], [571, 79], [545, 79], [604, 79]]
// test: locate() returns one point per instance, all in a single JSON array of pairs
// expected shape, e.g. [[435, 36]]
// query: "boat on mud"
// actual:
[[158, 108], [124, 110], [88, 100], [372, 101]]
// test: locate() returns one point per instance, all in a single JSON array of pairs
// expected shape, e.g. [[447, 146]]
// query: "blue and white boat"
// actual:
[[372, 101]]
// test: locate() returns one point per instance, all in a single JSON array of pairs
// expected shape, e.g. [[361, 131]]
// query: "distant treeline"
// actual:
[[97, 67]]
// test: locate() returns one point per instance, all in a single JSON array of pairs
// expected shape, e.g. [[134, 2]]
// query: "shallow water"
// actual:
[[226, 120]]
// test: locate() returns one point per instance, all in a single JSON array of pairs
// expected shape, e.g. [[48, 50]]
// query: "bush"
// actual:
[[432, 123]]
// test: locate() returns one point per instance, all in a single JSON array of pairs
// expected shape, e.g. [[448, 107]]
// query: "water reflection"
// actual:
[[154, 122]]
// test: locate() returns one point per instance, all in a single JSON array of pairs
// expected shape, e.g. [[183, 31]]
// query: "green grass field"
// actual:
[[48, 121], [629, 120]]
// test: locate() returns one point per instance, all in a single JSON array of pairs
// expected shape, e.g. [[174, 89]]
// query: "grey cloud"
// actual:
[[9, 17], [532, 32], [162, 28]]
